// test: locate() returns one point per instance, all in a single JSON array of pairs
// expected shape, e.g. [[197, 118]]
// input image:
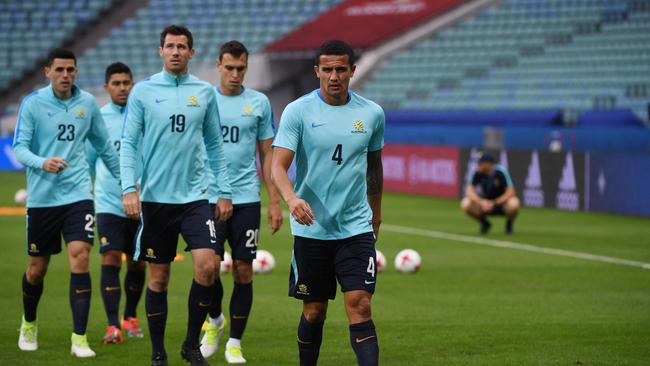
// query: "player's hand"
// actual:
[[55, 165], [301, 211], [131, 205], [376, 222], [275, 217], [487, 205], [223, 211]]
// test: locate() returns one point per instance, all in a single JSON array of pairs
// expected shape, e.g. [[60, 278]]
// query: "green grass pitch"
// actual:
[[468, 305]]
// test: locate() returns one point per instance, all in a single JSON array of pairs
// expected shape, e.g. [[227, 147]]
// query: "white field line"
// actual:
[[505, 244]]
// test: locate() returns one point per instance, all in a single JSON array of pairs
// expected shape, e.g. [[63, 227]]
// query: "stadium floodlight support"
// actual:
[[372, 58]]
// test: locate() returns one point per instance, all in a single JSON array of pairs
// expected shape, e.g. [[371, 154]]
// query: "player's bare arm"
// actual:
[[55, 165], [375, 186], [299, 208], [223, 210], [274, 210]]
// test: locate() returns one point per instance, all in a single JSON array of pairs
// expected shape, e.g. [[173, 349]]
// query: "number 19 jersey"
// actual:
[[331, 145]]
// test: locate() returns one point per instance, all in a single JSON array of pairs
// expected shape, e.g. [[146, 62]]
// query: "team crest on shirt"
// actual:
[[302, 289], [496, 183], [33, 248], [358, 127], [248, 110], [103, 241], [193, 101], [81, 113], [150, 253]]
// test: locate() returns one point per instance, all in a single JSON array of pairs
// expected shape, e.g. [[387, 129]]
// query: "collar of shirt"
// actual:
[[117, 108], [49, 93], [176, 80]]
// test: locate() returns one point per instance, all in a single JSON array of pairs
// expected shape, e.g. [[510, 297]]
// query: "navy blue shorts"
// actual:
[[242, 231], [162, 222], [497, 210], [116, 233], [316, 265], [45, 225]]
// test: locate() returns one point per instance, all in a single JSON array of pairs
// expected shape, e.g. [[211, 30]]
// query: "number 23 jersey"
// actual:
[[331, 144]]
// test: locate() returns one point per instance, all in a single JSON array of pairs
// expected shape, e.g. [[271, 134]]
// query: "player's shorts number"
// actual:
[[90, 221], [178, 122], [371, 267], [253, 237], [117, 145], [230, 133], [66, 133], [338, 154], [213, 231]]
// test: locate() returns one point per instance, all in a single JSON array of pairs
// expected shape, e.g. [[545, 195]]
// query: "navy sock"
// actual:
[[80, 291], [133, 286], [240, 307], [31, 296], [198, 304], [155, 304], [310, 337], [111, 292], [217, 298], [364, 343]]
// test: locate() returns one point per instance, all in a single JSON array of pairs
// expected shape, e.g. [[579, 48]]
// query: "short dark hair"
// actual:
[[486, 158], [234, 48], [335, 47], [176, 30], [117, 68], [60, 53]]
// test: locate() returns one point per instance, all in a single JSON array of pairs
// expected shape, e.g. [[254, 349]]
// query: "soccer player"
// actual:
[[175, 118], [53, 124], [116, 231], [336, 137], [491, 193], [246, 123]]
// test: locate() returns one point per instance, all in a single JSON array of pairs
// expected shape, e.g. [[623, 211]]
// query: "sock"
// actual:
[[217, 297], [198, 304], [133, 286], [111, 292], [80, 291], [364, 343], [31, 296], [310, 337], [216, 321], [155, 304], [240, 307], [484, 220]]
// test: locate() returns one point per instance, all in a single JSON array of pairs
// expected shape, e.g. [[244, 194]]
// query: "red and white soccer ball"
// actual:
[[226, 262], [381, 261], [264, 263], [20, 197], [408, 261]]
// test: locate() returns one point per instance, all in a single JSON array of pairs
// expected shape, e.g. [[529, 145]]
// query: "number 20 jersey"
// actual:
[[331, 144]]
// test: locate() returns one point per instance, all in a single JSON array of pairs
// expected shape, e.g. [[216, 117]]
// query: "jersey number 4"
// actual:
[[338, 154]]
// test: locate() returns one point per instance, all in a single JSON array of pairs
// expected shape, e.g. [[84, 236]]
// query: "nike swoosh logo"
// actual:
[[314, 124], [111, 288], [204, 305], [155, 314], [160, 100], [50, 114], [369, 282], [253, 251], [363, 339], [239, 317], [212, 241], [303, 342], [81, 291]]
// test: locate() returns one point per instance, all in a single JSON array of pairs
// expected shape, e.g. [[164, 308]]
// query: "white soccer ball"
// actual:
[[226, 262], [20, 197], [264, 263], [408, 261], [381, 261]]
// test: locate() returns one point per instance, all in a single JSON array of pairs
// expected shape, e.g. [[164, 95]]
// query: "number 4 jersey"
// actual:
[[175, 120], [331, 144], [51, 127]]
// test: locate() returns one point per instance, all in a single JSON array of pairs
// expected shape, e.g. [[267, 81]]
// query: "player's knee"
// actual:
[[514, 204], [205, 272], [360, 305], [158, 281], [242, 271], [315, 315], [112, 258], [36, 272], [464, 204], [136, 266]]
